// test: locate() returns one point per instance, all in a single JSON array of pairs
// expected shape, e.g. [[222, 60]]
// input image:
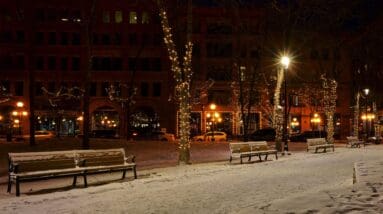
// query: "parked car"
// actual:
[[211, 136], [266, 134], [302, 137], [104, 133], [163, 136]]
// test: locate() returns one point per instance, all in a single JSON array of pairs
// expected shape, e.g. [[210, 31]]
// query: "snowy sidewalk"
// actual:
[[300, 183]]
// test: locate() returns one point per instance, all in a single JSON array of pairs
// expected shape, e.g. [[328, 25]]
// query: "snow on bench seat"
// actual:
[[30, 166], [319, 143], [250, 149]]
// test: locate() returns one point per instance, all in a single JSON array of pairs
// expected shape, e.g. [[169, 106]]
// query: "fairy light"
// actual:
[[329, 101], [182, 76], [356, 116], [277, 110]]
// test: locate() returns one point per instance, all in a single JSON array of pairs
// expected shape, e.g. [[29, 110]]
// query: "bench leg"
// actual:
[[85, 180], [241, 160], [135, 172], [123, 173], [74, 180], [260, 157], [231, 158], [9, 184], [249, 158], [276, 155], [17, 187], [266, 157]]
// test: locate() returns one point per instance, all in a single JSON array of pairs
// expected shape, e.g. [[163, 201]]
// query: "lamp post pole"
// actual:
[[285, 62], [213, 107], [366, 92]]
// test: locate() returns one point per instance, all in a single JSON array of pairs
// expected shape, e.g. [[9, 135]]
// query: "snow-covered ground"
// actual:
[[298, 183]]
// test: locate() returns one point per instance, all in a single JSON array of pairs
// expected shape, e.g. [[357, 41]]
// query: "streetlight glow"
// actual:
[[366, 91], [20, 104], [285, 60]]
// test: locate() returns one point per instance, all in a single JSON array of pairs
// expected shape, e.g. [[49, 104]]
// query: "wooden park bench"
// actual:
[[250, 149], [354, 142], [32, 166], [319, 143]]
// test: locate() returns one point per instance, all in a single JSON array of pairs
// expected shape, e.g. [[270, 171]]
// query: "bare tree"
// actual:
[[182, 75]]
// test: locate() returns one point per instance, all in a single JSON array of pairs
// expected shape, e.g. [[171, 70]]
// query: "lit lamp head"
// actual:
[[285, 61], [366, 91], [212, 106], [20, 104]]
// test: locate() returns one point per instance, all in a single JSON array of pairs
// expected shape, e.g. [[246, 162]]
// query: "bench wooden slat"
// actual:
[[29, 166], [319, 143], [250, 149]]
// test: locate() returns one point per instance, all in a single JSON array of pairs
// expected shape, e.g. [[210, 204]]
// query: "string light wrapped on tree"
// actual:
[[356, 116], [329, 101], [182, 76], [277, 111]]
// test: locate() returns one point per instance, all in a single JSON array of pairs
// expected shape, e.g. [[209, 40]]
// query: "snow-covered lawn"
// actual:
[[300, 183]]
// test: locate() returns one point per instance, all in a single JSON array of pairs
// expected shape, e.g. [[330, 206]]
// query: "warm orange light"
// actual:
[[213, 106], [80, 118], [369, 117], [25, 113], [17, 121], [20, 104], [15, 113]]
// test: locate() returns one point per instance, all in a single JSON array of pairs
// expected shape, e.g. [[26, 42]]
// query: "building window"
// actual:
[[52, 38], [64, 38], [156, 64], [118, 16], [156, 89], [145, 39], [145, 18], [38, 90], [39, 38], [20, 37], [75, 63], [133, 17], [105, 17], [95, 39], [104, 86], [64, 63], [93, 89], [145, 66], [19, 88], [52, 87], [219, 97], [132, 64], [39, 63], [157, 40], [5, 37], [132, 39], [76, 38], [117, 39], [105, 40], [51, 63], [144, 89], [20, 60]]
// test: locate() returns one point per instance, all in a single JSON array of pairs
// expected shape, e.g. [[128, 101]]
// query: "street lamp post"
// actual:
[[366, 92], [19, 113], [285, 61], [214, 116]]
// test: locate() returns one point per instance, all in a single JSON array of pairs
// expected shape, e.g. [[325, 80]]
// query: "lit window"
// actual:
[[145, 18], [118, 16], [105, 17], [133, 18]]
